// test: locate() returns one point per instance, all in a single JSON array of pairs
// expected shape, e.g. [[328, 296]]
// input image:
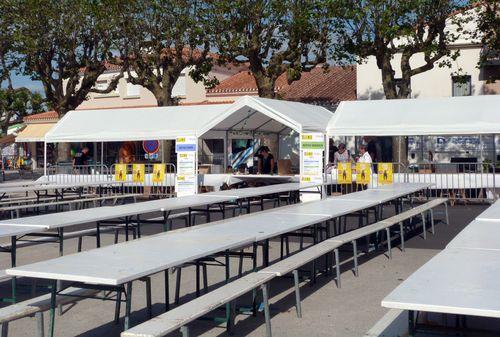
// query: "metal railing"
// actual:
[[77, 173], [149, 184], [457, 181]]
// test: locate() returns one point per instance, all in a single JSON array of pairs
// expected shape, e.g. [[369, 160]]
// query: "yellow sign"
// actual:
[[363, 173], [385, 173], [158, 173], [344, 173], [120, 172], [138, 172]]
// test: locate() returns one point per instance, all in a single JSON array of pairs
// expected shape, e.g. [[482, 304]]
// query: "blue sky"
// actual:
[[25, 81]]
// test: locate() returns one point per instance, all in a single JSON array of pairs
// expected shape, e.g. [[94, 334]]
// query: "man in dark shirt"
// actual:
[[267, 163], [81, 157]]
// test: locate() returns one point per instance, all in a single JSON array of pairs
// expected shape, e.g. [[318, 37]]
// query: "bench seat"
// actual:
[[186, 313]]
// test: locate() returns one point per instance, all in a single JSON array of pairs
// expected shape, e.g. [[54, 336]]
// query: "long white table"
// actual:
[[456, 281], [462, 279], [492, 213], [479, 234]]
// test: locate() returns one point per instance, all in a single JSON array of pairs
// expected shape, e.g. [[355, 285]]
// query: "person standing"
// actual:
[[364, 155], [342, 155], [266, 164], [81, 157]]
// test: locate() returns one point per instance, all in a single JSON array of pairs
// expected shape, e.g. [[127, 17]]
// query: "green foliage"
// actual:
[[17, 103], [64, 44], [272, 36], [384, 28], [489, 32], [160, 38]]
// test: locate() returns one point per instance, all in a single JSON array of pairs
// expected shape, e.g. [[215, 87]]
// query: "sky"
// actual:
[[24, 81]]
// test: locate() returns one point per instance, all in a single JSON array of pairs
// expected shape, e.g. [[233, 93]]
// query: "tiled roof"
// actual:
[[42, 116], [318, 85]]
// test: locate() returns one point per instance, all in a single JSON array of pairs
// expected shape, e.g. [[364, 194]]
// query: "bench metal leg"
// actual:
[[267, 315], [4, 329], [355, 256], [40, 331], [402, 235], [389, 250], [167, 292], [178, 285], [148, 297], [337, 266], [423, 224], [128, 306], [432, 221], [298, 306], [185, 331]]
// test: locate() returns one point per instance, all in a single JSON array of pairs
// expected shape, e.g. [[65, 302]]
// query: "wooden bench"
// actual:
[[179, 317], [36, 307]]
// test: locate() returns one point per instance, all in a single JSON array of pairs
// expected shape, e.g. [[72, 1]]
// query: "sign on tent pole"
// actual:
[[187, 180], [312, 146]]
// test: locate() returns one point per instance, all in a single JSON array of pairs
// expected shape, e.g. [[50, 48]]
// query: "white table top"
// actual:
[[262, 225], [71, 218], [332, 207], [23, 183], [456, 281], [8, 231], [250, 192], [492, 213], [131, 260], [478, 235], [51, 187], [404, 186]]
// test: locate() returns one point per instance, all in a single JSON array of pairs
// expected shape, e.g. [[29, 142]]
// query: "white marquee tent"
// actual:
[[471, 115], [128, 124], [271, 115]]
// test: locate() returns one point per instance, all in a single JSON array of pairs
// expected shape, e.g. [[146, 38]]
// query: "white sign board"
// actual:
[[186, 181], [312, 146]]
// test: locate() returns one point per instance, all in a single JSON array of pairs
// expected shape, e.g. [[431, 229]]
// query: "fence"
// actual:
[[96, 173], [152, 179], [457, 181], [351, 181]]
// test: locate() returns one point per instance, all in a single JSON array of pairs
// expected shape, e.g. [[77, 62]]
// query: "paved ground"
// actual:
[[327, 311]]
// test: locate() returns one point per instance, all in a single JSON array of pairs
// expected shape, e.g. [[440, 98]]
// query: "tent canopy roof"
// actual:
[[271, 115], [110, 125], [469, 115]]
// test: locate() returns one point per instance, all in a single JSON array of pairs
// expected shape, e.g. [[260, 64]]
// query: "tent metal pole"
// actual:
[[102, 156], [45, 158]]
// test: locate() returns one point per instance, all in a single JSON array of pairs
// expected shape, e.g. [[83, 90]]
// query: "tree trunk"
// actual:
[[265, 85], [399, 153]]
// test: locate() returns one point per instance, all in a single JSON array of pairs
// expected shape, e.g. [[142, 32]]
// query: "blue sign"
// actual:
[[185, 147]]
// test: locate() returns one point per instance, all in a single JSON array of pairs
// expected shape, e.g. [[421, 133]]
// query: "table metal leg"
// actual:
[[337, 266], [389, 250], [423, 224], [53, 294], [402, 235], [128, 305]]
